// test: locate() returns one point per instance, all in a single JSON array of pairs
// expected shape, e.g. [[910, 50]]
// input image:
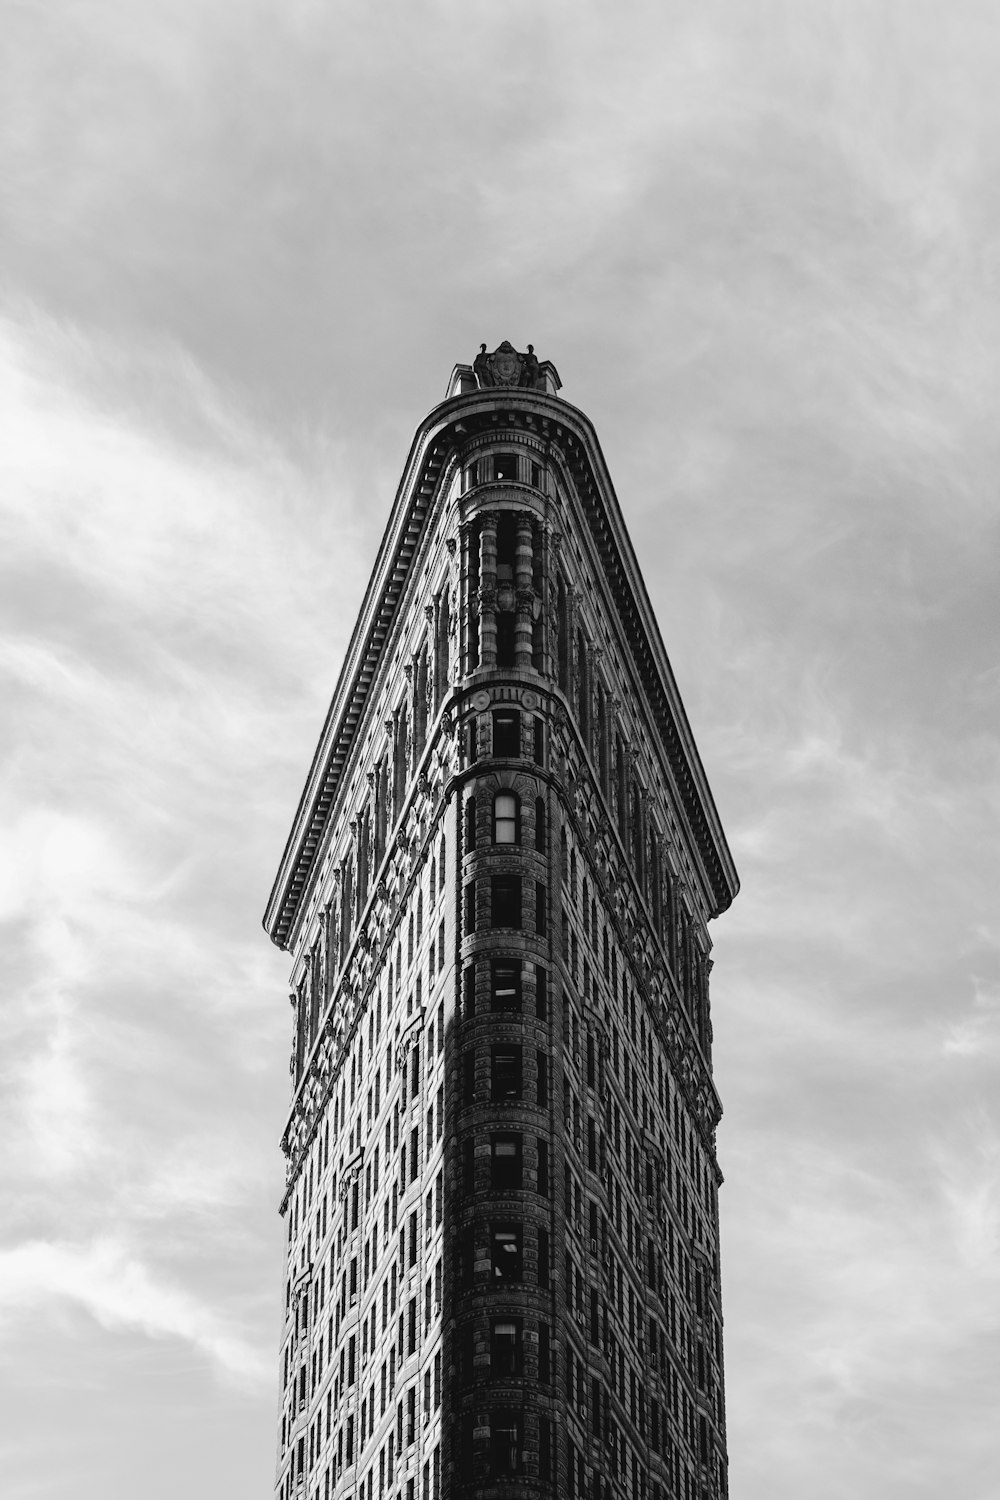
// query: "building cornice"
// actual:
[[442, 432]]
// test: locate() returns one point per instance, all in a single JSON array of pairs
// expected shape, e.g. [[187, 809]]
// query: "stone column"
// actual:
[[488, 589], [525, 595]]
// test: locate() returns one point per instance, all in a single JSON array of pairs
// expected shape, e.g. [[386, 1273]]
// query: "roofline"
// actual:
[[418, 487]]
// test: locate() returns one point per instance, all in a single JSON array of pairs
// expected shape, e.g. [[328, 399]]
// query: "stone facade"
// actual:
[[502, 1197]]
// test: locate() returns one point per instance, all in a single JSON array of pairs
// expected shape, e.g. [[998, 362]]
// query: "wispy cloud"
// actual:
[[119, 1291], [244, 245]]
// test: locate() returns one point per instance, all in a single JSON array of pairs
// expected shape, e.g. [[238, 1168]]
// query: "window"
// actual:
[[538, 742], [505, 1161], [506, 1242], [506, 1072], [467, 1256], [544, 1353], [541, 907], [469, 1166], [506, 819], [540, 824], [505, 466], [505, 984], [470, 824], [543, 1258], [542, 1083], [505, 1443], [505, 1347], [543, 1169], [536, 476], [541, 993], [470, 906], [506, 732], [506, 643], [468, 1076], [505, 901], [472, 474]]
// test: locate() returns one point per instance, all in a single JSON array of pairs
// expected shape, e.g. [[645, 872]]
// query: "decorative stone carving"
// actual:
[[505, 367]]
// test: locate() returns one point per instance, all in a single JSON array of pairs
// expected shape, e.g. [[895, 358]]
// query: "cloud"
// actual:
[[105, 1280]]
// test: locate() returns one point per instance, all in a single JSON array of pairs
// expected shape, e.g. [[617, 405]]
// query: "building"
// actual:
[[502, 1210]]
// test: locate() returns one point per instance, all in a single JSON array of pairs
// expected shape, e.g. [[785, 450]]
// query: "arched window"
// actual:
[[506, 819]]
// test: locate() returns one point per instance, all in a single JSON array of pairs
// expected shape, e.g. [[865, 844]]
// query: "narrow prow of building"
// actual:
[[502, 1196]]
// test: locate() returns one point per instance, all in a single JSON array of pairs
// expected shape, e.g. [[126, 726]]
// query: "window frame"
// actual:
[[513, 819]]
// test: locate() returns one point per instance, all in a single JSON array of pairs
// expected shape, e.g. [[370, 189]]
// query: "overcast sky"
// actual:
[[243, 244]]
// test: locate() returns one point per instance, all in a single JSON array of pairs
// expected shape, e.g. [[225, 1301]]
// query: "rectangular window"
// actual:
[[505, 1072], [470, 906], [505, 1347], [505, 901], [506, 1241], [505, 1161], [505, 467], [505, 1443], [541, 907], [543, 1258], [506, 733], [543, 1168], [467, 1256], [538, 742], [544, 1354], [541, 993], [468, 1076], [505, 984], [544, 1448], [542, 1080], [469, 991]]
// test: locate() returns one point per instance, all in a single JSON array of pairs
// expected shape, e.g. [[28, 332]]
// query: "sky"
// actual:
[[242, 244]]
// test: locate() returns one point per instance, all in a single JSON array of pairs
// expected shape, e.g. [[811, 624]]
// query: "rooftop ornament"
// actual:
[[505, 367]]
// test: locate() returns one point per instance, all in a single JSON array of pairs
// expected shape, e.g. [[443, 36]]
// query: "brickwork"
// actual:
[[502, 1216]]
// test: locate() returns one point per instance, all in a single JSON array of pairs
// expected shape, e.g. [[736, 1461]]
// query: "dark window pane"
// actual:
[[538, 743], [506, 984], [506, 1252], [505, 466], [540, 824], [505, 1443], [541, 993], [505, 905], [505, 621], [543, 1258], [505, 1346], [506, 730], [541, 907], [505, 1153], [506, 1072]]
